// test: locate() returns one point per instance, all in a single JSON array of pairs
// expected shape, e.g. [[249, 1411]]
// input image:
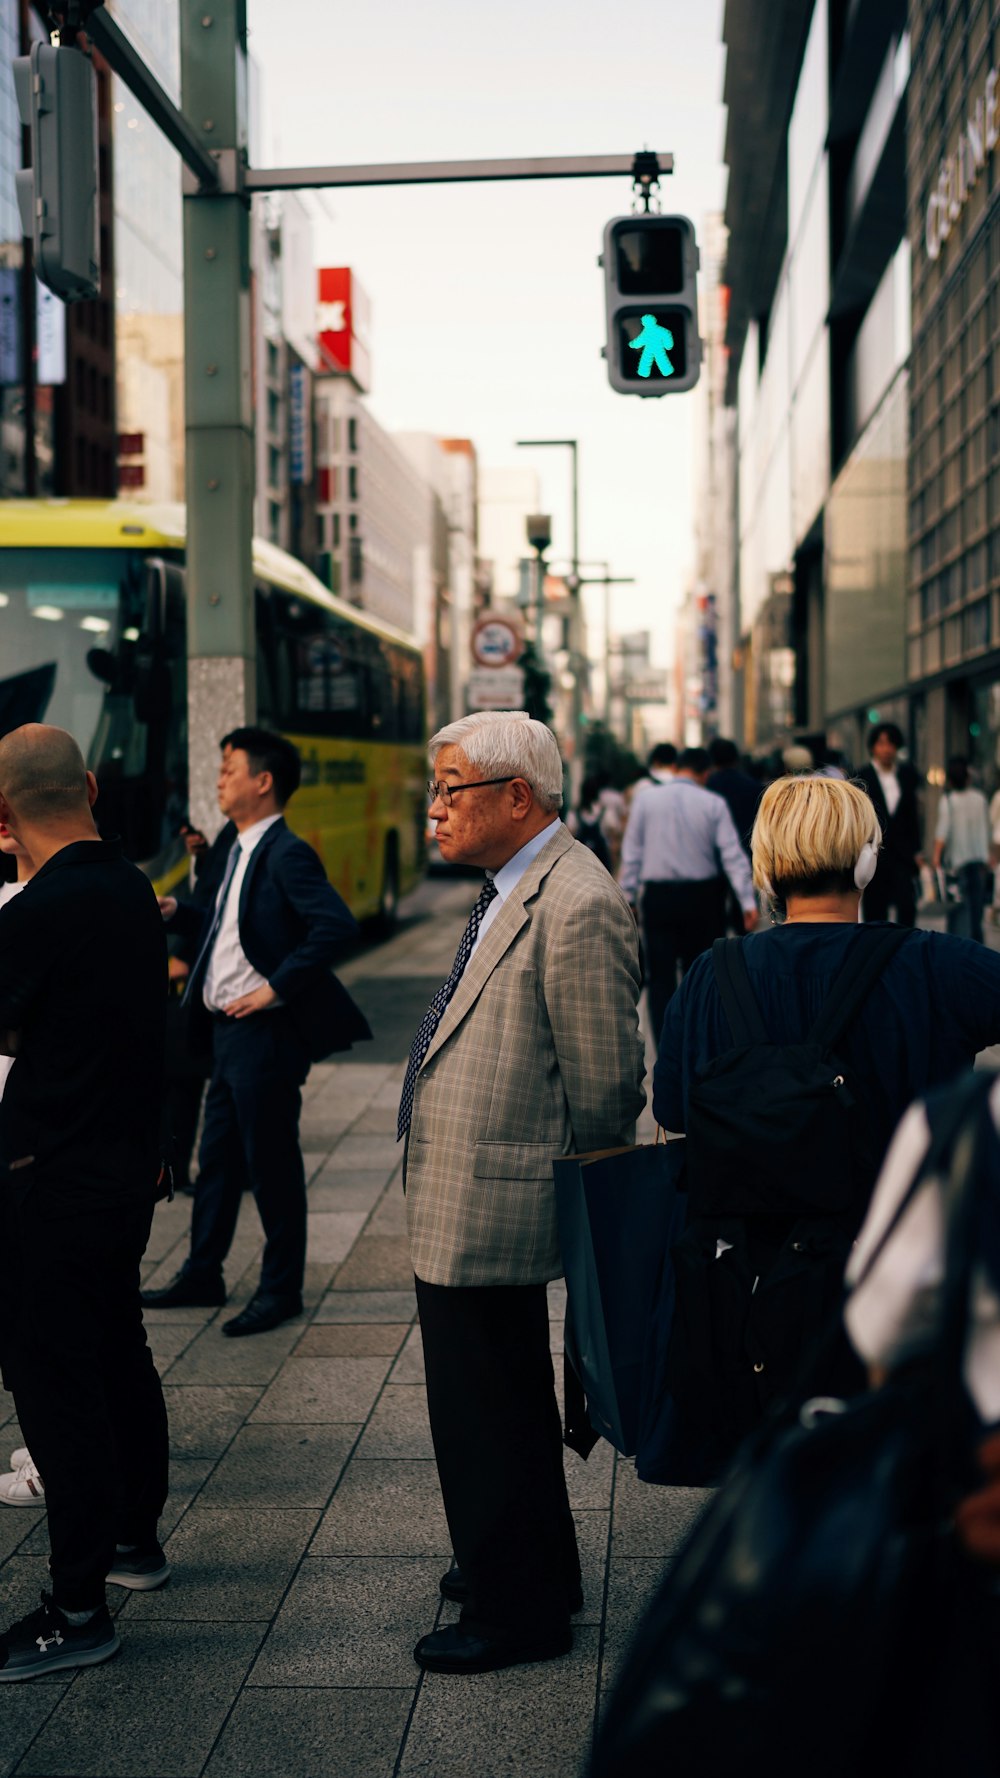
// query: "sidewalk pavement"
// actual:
[[304, 1524]]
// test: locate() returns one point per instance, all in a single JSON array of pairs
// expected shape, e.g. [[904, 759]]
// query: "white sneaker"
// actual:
[[20, 1457], [23, 1487]]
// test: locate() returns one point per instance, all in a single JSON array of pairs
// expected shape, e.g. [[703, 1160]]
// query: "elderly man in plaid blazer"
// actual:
[[529, 1050]]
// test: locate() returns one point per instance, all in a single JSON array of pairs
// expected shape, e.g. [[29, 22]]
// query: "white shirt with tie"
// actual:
[[506, 879], [230, 974]]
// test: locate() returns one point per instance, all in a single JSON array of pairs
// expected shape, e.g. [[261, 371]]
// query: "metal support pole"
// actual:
[[219, 461], [539, 603]]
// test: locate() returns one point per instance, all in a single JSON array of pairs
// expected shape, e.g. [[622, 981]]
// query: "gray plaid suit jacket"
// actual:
[[538, 1055]]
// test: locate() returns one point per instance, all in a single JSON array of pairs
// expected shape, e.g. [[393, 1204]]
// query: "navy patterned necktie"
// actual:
[[435, 1012]]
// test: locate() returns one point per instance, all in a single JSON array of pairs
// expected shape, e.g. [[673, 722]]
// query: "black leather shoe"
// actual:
[[454, 1586], [454, 1650], [261, 1314], [185, 1292]]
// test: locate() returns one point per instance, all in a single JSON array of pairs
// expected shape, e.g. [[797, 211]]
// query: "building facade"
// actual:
[[817, 336], [953, 611]]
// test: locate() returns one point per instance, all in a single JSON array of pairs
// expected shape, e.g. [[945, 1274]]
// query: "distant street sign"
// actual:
[[496, 641], [652, 689], [496, 688]]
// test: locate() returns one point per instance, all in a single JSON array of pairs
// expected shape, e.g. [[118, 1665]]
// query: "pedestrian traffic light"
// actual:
[[59, 196], [650, 278]]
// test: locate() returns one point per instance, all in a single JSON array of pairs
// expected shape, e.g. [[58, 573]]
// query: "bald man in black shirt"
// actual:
[[82, 1000]]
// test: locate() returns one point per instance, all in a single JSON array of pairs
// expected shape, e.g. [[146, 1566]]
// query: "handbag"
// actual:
[[820, 1617], [619, 1212]]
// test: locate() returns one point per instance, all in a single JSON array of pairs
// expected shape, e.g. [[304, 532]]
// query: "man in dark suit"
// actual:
[[892, 787], [738, 790], [261, 984], [83, 974]]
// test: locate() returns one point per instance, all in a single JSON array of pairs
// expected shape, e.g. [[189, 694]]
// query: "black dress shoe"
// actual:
[[454, 1650], [185, 1292], [261, 1314], [454, 1586]]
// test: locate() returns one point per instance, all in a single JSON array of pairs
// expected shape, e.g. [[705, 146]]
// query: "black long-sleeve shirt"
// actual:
[[83, 979]]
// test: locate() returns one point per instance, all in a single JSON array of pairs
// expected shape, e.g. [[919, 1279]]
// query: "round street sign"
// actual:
[[496, 640]]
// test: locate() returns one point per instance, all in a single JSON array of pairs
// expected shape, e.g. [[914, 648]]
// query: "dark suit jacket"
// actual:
[[83, 977], [292, 926], [901, 832], [741, 793]]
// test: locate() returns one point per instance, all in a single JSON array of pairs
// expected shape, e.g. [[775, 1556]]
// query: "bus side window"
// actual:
[[267, 663]]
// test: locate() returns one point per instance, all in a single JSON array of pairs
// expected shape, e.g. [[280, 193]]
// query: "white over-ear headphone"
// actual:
[[864, 870]]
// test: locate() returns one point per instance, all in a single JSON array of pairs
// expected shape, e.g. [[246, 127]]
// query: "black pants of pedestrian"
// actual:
[[965, 916], [251, 1136], [498, 1444], [680, 920], [893, 886], [87, 1394]]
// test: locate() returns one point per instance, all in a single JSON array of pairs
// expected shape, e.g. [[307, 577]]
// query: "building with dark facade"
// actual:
[[953, 163], [818, 338]]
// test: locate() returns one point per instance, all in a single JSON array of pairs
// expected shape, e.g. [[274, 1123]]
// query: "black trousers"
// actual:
[[680, 920], [498, 1444], [893, 886], [86, 1390], [251, 1136]]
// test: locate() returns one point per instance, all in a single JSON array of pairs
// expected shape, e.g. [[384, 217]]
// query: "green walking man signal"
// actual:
[[650, 279]]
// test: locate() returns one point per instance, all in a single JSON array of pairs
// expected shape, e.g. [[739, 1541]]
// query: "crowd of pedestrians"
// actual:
[[786, 1057]]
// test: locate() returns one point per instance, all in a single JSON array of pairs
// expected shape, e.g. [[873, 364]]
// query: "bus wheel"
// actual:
[[389, 903]]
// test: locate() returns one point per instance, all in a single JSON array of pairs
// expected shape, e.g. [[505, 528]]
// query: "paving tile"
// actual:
[[377, 1120], [522, 1720], [167, 1341], [367, 1305], [592, 1543], [330, 1390], [312, 1733], [389, 1216], [155, 1710], [388, 1509], [399, 1427], [377, 1262], [360, 1339], [369, 1151], [25, 1708], [212, 1358], [332, 1234], [313, 1161], [203, 1419], [589, 1483], [228, 1563], [631, 1585], [280, 1466], [409, 1366], [17, 1524], [650, 1521], [360, 1193], [351, 1622]]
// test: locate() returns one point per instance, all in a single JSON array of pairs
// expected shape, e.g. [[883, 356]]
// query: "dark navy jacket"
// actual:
[[293, 924]]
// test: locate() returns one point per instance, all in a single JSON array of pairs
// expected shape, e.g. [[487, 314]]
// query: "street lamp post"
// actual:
[[572, 582]]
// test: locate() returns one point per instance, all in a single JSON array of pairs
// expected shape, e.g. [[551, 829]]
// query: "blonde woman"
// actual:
[[758, 1271]]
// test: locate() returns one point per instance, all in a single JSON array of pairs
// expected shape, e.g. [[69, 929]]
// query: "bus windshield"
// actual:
[[93, 641]]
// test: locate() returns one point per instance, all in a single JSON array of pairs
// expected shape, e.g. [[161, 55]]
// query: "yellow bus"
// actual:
[[93, 638]]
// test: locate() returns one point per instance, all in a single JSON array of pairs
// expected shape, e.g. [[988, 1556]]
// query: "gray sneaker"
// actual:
[[46, 1642], [142, 1570]]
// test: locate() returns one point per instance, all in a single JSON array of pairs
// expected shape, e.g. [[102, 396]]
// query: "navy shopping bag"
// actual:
[[619, 1213]]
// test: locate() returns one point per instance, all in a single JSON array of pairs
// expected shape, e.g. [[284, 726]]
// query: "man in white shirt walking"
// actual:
[[262, 981], [680, 848]]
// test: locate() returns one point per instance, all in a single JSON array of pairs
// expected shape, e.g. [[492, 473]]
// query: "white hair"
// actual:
[[502, 743]]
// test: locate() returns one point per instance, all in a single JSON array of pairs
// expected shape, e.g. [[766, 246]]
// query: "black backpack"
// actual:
[[781, 1161], [589, 834]]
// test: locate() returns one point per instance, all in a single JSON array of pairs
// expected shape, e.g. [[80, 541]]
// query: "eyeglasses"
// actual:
[[440, 788]]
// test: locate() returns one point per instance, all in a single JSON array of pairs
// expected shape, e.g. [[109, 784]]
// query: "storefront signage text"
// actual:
[[959, 171]]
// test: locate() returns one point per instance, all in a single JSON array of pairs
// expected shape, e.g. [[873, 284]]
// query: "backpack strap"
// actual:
[[854, 985], [738, 999]]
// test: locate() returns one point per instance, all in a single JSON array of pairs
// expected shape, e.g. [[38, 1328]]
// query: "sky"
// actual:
[[487, 302]]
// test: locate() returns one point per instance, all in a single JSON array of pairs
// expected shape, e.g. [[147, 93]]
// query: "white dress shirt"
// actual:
[[7, 893], [509, 875], [892, 790], [230, 974]]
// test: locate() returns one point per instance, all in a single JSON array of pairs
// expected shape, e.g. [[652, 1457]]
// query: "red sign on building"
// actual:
[[342, 326]]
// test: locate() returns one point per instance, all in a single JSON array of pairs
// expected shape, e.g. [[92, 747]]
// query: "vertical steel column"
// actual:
[[219, 444]]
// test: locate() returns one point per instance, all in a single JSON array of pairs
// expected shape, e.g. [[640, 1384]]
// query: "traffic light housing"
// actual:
[[650, 279], [59, 195]]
